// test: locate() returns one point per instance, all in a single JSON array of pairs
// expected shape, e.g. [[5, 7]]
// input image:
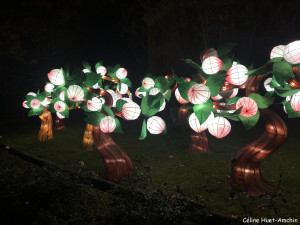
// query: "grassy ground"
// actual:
[[200, 177]]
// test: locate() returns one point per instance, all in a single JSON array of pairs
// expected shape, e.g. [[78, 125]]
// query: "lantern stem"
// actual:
[[88, 139], [46, 132], [118, 165]]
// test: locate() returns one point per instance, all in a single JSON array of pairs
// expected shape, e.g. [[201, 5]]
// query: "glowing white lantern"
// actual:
[[212, 65], [56, 77], [154, 91], [249, 106], [138, 93], [35, 103], [288, 98], [62, 95], [121, 73], [237, 74], [59, 115], [179, 98], [24, 105], [75, 93], [94, 104], [96, 86], [292, 52], [217, 97], [108, 124], [208, 53], [198, 94], [163, 106], [115, 96], [49, 87], [195, 123], [59, 106], [235, 91], [148, 83], [123, 90], [277, 51], [127, 99], [101, 70], [295, 102], [86, 71], [267, 84], [219, 127], [131, 111], [155, 125], [31, 93], [46, 101]]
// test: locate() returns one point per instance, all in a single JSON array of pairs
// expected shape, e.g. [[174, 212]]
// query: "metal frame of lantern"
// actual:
[[245, 169]]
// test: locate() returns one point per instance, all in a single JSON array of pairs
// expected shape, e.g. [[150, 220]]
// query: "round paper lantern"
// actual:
[[155, 125], [56, 77], [219, 127], [49, 87], [237, 74], [123, 90], [25, 105], [235, 91], [59, 115], [121, 73], [59, 106], [86, 71], [148, 83], [35, 103], [277, 51], [217, 97], [249, 106], [62, 95], [96, 86], [31, 93], [108, 124], [212, 65], [292, 52], [127, 99], [195, 123], [198, 94], [267, 84], [154, 91], [94, 104], [295, 102], [179, 98], [75, 93], [139, 93], [101, 70], [288, 98], [131, 111], [208, 53], [163, 106], [46, 101], [115, 96]]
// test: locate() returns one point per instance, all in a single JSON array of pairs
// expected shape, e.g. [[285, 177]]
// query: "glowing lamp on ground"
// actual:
[[295, 102], [154, 91], [179, 98], [131, 111], [75, 93], [101, 70], [35, 103], [267, 84], [123, 89], [139, 93], [237, 74], [249, 106], [292, 52], [148, 83], [59, 106], [24, 104], [198, 94], [108, 124], [195, 123], [94, 104], [277, 51], [121, 73], [49, 87], [155, 125], [56, 77], [163, 106], [219, 127], [212, 65], [59, 115]]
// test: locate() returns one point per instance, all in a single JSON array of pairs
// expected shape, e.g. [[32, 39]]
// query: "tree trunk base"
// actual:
[[88, 139], [46, 132], [198, 144]]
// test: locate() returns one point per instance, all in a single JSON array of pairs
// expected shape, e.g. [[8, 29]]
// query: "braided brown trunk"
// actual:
[[46, 132], [88, 139]]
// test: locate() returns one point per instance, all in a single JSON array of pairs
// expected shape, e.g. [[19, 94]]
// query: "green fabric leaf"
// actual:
[[276, 59], [259, 71], [65, 113], [202, 111], [262, 101], [151, 104], [215, 82], [31, 113], [193, 64], [126, 81], [225, 49], [91, 79], [41, 96], [93, 118], [232, 100], [162, 84], [66, 73], [167, 96], [285, 93], [98, 64], [77, 75], [29, 98], [143, 131], [226, 64], [282, 71], [290, 111], [111, 71], [250, 122], [86, 65], [232, 116], [183, 89], [108, 110], [83, 106], [39, 111], [119, 104], [118, 128]]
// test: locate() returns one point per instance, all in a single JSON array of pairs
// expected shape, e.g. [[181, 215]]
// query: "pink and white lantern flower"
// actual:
[[108, 124], [121, 73], [148, 83], [211, 65], [139, 93], [198, 94], [56, 77], [295, 102], [94, 104], [267, 84], [59, 106], [101, 70], [291, 52], [277, 51], [249, 106], [195, 123], [49, 87], [24, 104], [155, 125], [179, 98], [75, 93], [131, 111], [123, 88], [237, 74], [219, 127], [35, 103]]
